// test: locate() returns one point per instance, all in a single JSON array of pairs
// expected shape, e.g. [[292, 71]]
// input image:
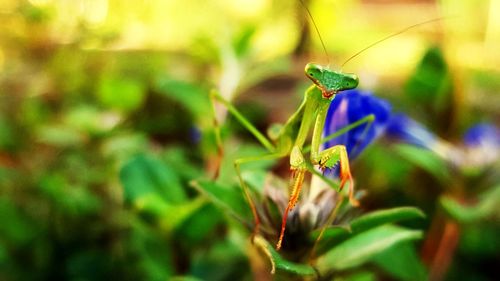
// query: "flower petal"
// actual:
[[483, 134], [403, 128], [349, 107]]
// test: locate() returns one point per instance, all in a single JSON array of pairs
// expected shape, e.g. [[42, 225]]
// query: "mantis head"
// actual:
[[330, 82]]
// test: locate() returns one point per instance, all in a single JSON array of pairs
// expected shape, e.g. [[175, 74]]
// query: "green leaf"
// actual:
[[121, 93], [230, 199], [242, 43], [363, 247], [15, 227], [425, 159], [7, 134], [88, 119], [144, 175], [487, 206], [59, 135], [335, 235], [381, 217], [431, 82], [199, 225], [278, 262], [170, 216], [193, 97], [185, 278], [361, 276], [153, 252], [69, 197], [403, 262], [224, 260]]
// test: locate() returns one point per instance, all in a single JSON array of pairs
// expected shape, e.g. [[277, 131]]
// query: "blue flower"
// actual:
[[482, 134], [481, 147], [349, 107], [404, 129]]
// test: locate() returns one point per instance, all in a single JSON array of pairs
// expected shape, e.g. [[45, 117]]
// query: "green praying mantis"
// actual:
[[289, 139]]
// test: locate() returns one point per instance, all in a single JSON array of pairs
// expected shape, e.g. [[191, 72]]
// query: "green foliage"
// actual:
[[144, 175], [279, 263], [230, 200], [334, 235], [426, 160], [402, 262], [485, 208], [362, 247], [431, 87], [121, 93]]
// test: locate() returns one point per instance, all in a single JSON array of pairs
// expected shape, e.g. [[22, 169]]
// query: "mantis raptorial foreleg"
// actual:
[[338, 154]]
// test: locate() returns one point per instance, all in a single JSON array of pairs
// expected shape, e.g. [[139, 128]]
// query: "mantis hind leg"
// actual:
[[216, 97], [246, 189]]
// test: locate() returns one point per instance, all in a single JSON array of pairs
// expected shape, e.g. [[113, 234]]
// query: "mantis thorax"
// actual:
[[330, 82]]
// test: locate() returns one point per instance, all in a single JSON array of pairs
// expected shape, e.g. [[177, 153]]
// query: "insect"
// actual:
[[290, 138]]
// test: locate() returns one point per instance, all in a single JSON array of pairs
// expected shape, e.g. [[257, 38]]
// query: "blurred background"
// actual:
[[105, 120]]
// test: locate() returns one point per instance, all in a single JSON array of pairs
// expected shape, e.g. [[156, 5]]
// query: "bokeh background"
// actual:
[[105, 120]]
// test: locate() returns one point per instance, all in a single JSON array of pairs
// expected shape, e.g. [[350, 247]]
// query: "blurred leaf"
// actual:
[[262, 71], [190, 95], [197, 227], [242, 42], [486, 207], [122, 146], [230, 199], [170, 216], [70, 198], [185, 278], [3, 254], [177, 157], [363, 247], [154, 255], [7, 136], [14, 227], [35, 14], [89, 119], [431, 82], [279, 262], [59, 135], [402, 262], [360, 276], [426, 160], [144, 174], [89, 265], [334, 235], [222, 261], [121, 93], [380, 217], [480, 242]]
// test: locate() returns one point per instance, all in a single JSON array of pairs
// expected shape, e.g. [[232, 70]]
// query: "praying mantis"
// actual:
[[290, 138]]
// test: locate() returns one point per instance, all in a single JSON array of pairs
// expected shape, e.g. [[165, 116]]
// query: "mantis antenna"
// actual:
[[317, 30], [390, 36]]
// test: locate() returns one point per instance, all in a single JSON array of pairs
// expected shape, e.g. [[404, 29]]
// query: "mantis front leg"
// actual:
[[298, 167], [330, 157]]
